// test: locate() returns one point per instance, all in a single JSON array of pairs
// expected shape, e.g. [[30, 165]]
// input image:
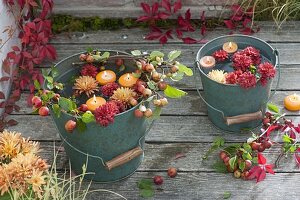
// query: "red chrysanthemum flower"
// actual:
[[241, 61], [247, 80], [108, 89], [120, 105], [105, 114], [89, 70], [220, 55], [267, 70], [231, 78], [253, 53]]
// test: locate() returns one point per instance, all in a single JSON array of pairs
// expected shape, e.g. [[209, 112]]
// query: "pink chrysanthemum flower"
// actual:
[[247, 80], [108, 89], [105, 114], [89, 70], [220, 55]]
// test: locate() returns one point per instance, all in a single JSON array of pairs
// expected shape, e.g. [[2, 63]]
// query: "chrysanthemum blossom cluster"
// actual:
[[89, 70], [220, 55], [248, 69], [218, 75], [21, 168]]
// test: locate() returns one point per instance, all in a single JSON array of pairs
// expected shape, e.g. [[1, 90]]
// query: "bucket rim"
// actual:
[[104, 50], [229, 36]]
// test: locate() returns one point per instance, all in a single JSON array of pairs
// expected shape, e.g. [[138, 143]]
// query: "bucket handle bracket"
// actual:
[[243, 118]]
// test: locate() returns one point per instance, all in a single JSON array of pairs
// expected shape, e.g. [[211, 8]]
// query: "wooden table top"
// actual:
[[184, 126]]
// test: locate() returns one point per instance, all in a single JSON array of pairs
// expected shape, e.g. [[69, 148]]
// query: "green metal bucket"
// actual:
[[231, 107], [98, 145]]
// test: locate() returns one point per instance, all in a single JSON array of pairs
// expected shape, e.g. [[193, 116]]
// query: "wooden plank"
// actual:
[[166, 129], [268, 31], [288, 53], [202, 185], [188, 105], [159, 157]]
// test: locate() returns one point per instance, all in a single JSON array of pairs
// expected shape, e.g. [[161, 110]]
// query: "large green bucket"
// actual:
[[110, 153], [231, 107]]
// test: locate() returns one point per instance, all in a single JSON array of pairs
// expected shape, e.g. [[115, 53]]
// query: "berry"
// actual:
[[70, 125], [141, 88], [83, 108], [268, 114], [226, 160], [144, 64], [149, 68], [56, 97], [237, 174], [267, 144], [248, 164], [138, 113], [36, 102], [223, 155], [162, 85], [44, 111], [133, 101], [147, 92], [82, 57], [157, 102], [266, 121], [172, 172], [261, 148], [148, 112], [164, 101], [89, 59], [158, 180], [174, 69], [156, 76], [142, 108], [255, 146], [119, 62], [245, 175]]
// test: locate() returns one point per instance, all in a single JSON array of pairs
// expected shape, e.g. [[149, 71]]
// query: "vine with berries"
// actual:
[[31, 17], [247, 161]]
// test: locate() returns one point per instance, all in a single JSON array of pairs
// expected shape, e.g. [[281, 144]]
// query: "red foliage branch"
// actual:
[[35, 33]]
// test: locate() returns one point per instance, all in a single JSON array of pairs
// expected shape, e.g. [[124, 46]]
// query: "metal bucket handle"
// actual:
[[243, 117], [120, 159]]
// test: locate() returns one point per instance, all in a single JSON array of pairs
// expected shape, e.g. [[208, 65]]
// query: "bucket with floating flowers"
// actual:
[[236, 73], [100, 102]]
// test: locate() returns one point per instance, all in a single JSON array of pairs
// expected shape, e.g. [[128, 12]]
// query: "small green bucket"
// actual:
[[231, 107], [110, 153]]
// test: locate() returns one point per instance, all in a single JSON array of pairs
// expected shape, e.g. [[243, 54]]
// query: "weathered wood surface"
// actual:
[[184, 126]]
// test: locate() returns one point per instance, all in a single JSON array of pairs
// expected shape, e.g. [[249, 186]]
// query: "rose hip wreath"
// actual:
[[246, 160], [111, 92], [248, 68]]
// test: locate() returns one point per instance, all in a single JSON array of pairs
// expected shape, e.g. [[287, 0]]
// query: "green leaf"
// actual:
[[136, 52], [145, 184], [50, 86], [66, 104], [151, 85], [220, 167], [219, 141], [247, 156], [54, 72], [255, 160], [89, 49], [226, 195], [156, 113], [173, 92], [231, 150], [122, 68], [37, 84], [45, 72], [105, 55], [145, 193], [177, 76], [287, 139], [247, 147], [6, 196], [273, 107], [56, 109], [154, 54], [173, 55], [185, 69], [136, 75], [88, 117], [81, 125], [293, 149], [232, 162], [242, 165]]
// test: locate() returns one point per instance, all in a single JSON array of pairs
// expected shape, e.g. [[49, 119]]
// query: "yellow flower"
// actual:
[[85, 84], [123, 95], [9, 144], [36, 181], [217, 75], [4, 181], [29, 146]]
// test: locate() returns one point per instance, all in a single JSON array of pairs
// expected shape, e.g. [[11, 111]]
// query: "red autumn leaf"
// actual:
[[179, 33], [297, 128], [163, 15], [166, 5], [246, 22], [229, 24], [163, 39], [269, 169], [236, 18], [146, 8], [249, 12], [15, 48], [47, 8], [292, 134], [237, 9], [4, 78], [12, 122], [143, 19], [177, 6], [271, 129], [9, 109], [247, 31], [261, 176], [179, 155], [188, 14], [2, 95], [203, 26], [6, 66], [185, 24], [154, 8], [297, 157], [189, 40], [261, 159]]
